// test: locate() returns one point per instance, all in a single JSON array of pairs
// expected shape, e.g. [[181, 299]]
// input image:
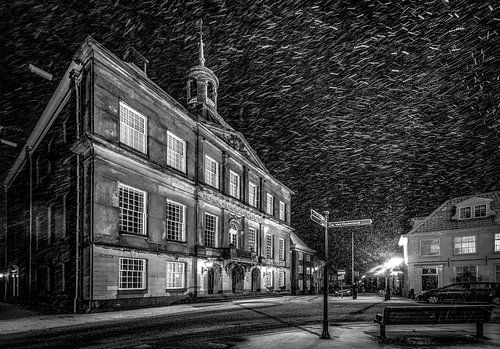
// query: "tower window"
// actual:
[[193, 88], [210, 93]]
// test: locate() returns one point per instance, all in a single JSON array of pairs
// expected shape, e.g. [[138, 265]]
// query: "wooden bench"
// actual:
[[435, 314]]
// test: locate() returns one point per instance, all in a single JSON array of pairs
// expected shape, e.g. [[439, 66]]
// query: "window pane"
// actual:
[[175, 221], [132, 128], [211, 172], [132, 273], [234, 184], [251, 239], [210, 230], [270, 204], [269, 246], [176, 154], [131, 202], [175, 275]]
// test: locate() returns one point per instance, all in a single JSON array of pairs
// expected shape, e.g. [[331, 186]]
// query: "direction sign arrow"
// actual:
[[349, 223], [318, 218]]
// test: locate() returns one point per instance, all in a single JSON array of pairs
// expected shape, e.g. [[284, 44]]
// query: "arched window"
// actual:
[[211, 91]]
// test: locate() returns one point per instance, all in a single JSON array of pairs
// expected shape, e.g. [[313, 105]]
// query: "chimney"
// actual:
[[138, 61]]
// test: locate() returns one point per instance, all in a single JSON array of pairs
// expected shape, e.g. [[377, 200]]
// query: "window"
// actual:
[[429, 247], [301, 269], [132, 128], [282, 210], [251, 239], [269, 278], [464, 244], [308, 257], [233, 237], [466, 273], [211, 172], [234, 184], [497, 273], [480, 211], [176, 152], [175, 221], [465, 212], [281, 249], [281, 279], [497, 243], [270, 204], [429, 278], [175, 275], [252, 194], [51, 224], [269, 246], [132, 209], [132, 274], [301, 256], [210, 230]]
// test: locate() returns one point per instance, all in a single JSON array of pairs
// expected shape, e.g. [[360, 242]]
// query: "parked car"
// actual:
[[488, 292], [343, 292]]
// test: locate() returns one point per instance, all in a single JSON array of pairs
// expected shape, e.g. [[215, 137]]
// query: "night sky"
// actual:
[[370, 109]]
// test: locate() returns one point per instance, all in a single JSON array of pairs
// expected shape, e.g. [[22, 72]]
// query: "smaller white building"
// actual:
[[459, 241]]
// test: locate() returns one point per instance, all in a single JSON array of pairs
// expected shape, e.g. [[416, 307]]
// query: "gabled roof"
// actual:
[[297, 243], [440, 218]]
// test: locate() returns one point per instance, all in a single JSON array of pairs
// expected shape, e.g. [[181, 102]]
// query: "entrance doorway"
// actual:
[[255, 280], [214, 279], [238, 276]]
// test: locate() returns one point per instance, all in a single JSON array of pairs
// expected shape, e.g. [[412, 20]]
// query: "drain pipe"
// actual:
[[30, 249], [73, 77], [6, 276]]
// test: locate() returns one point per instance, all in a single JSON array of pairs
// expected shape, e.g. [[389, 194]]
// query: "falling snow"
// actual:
[[370, 109]]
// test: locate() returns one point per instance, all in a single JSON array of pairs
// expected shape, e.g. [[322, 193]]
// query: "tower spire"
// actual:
[[201, 53]]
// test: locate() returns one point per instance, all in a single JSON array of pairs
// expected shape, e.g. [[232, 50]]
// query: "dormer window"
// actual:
[[473, 208]]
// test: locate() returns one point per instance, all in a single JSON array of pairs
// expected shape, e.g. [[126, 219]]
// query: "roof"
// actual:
[[298, 244], [440, 218]]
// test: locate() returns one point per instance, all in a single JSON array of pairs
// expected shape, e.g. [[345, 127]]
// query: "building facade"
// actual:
[[303, 266], [124, 197], [459, 241]]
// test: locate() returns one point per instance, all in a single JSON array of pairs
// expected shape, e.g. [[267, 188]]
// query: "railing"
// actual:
[[235, 253]]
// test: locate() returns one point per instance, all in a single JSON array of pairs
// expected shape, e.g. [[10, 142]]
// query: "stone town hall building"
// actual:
[[123, 197]]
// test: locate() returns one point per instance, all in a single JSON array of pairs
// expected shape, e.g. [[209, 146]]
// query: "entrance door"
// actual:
[[237, 279], [256, 280]]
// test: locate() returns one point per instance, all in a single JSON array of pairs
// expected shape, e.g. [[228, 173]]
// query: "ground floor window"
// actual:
[[300, 284], [282, 279], [429, 278], [132, 274], [497, 273], [175, 275], [269, 278], [466, 273]]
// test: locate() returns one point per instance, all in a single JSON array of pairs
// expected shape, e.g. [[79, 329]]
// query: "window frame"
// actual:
[[143, 271], [232, 175], [461, 244], [209, 174], [171, 153], [476, 215], [215, 232], [253, 194], [269, 208], [281, 249], [269, 248], [496, 242], [183, 232], [182, 273], [252, 232], [282, 214], [144, 210], [430, 254], [123, 126]]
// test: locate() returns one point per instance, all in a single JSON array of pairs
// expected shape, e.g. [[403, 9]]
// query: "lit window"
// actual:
[[429, 247], [234, 184], [175, 221], [497, 242], [301, 256], [252, 194], [211, 172], [132, 209], [465, 212], [132, 274], [270, 204], [466, 273], [210, 230], [282, 210], [176, 152], [175, 275], [269, 246], [251, 238], [233, 237], [464, 244], [132, 128], [281, 279], [281, 249], [480, 211]]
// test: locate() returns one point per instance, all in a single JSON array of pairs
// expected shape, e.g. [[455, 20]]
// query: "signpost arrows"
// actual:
[[323, 221]]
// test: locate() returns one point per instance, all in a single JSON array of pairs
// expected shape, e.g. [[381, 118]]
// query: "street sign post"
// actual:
[[318, 218]]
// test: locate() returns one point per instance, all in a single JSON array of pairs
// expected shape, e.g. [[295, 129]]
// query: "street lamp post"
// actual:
[[325, 334], [354, 287]]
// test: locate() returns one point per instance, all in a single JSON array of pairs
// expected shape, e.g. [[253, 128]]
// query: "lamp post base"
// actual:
[[325, 334]]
